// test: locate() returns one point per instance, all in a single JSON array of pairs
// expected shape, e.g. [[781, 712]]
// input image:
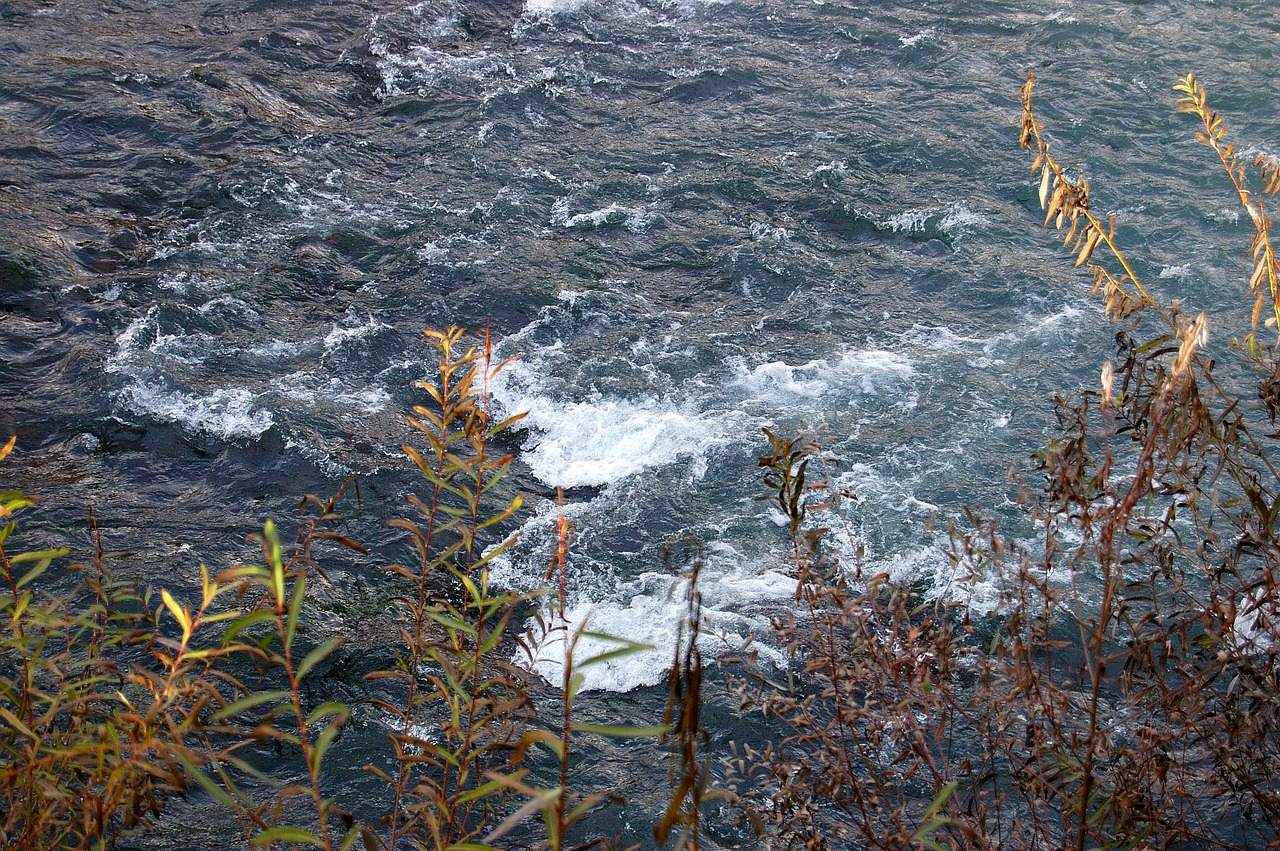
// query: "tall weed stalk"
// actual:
[[549, 633], [459, 708], [867, 712]]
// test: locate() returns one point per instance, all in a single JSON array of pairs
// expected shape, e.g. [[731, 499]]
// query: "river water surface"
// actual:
[[223, 227]]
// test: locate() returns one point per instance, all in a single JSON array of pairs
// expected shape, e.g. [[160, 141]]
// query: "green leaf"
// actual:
[[481, 791], [275, 561], [12, 501], [472, 590], [326, 737], [318, 654], [288, 834], [584, 806], [622, 731], [329, 707], [940, 799], [542, 802], [295, 609], [244, 623], [490, 641], [18, 725], [552, 825], [932, 844], [249, 702], [206, 782], [355, 833], [511, 508], [43, 559], [451, 623], [631, 649], [931, 822], [615, 639], [23, 601], [1153, 343]]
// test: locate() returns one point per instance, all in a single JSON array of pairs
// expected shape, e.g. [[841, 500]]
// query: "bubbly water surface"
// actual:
[[224, 226]]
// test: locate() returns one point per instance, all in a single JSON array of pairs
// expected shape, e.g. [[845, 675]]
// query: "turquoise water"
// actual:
[[225, 225]]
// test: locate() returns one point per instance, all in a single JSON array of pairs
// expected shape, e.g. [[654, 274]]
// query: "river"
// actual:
[[223, 227]]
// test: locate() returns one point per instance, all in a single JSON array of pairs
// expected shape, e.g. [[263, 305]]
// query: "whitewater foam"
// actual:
[[601, 440], [927, 34], [951, 220], [351, 329], [654, 620], [228, 413], [636, 219], [861, 371]]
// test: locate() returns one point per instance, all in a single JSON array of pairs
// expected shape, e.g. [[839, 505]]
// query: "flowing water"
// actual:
[[224, 226]]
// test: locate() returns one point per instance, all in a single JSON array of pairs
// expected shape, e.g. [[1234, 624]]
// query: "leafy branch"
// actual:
[[1265, 277]]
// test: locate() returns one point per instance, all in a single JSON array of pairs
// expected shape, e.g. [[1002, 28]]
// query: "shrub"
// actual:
[[102, 710], [1127, 692], [117, 700]]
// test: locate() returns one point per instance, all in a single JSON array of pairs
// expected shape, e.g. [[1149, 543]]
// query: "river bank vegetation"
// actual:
[[1125, 694]]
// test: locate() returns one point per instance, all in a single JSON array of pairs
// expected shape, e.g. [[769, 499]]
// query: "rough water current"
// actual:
[[223, 227]]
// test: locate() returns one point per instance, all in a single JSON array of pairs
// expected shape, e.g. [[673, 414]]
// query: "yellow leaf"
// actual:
[[1259, 271], [179, 614]]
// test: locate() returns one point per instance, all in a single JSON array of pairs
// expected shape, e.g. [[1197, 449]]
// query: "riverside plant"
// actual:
[[115, 704], [116, 699], [1142, 653], [867, 714], [1126, 694]]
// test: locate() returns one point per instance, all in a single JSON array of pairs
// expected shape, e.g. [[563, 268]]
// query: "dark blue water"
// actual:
[[223, 227]]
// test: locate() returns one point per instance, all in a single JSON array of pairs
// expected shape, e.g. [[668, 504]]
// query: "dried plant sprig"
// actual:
[[1173, 575], [1067, 201], [1265, 277], [1269, 167]]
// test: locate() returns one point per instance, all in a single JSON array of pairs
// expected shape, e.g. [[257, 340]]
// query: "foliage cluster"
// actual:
[[115, 704], [1126, 694]]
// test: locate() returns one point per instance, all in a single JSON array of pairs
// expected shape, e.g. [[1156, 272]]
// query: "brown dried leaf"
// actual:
[[1091, 242], [1055, 203], [1071, 232], [1259, 272]]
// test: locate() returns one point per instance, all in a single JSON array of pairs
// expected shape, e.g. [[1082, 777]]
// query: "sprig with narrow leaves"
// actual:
[[1066, 201], [106, 710], [277, 710], [452, 668], [1264, 279]]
